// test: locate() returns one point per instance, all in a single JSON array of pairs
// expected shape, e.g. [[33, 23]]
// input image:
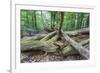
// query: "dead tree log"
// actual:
[[47, 47], [69, 49], [29, 45], [35, 37], [84, 42], [48, 36], [82, 51], [48, 44], [76, 32]]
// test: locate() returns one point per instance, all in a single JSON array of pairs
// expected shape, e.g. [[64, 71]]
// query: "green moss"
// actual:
[[51, 49], [67, 49]]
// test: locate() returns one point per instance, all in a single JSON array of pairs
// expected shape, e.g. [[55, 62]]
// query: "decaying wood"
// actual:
[[31, 44], [48, 36], [82, 51], [69, 49], [35, 37], [44, 46], [84, 42], [76, 32], [50, 44]]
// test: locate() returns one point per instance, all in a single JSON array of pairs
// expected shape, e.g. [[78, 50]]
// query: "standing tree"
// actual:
[[35, 21], [60, 26], [76, 21], [42, 19]]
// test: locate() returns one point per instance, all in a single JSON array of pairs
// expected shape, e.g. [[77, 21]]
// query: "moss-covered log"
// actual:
[[48, 36], [50, 44], [31, 44], [35, 37], [70, 50], [82, 50], [76, 32]]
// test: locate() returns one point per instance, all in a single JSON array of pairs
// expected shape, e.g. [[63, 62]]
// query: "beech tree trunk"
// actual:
[[49, 36], [83, 51], [76, 32], [70, 50], [60, 26]]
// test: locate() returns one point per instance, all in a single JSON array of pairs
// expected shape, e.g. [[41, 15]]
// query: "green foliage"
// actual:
[[36, 21]]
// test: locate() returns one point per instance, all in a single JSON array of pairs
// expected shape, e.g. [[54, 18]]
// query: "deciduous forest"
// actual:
[[53, 36]]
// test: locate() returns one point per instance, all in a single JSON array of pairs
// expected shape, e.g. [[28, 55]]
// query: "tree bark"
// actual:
[[60, 26], [46, 36], [76, 32], [34, 37], [49, 36], [35, 20], [31, 44], [82, 51], [70, 50]]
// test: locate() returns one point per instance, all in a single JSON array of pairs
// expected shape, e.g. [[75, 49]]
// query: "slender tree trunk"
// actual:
[[60, 26], [81, 21], [42, 19], [53, 16], [28, 21], [87, 22], [76, 21], [51, 19], [35, 20], [85, 19]]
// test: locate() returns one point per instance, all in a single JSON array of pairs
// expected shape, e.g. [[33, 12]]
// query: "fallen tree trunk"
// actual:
[[45, 37], [35, 37], [69, 49], [29, 45], [47, 44], [84, 42], [47, 47], [82, 51], [76, 32], [48, 36]]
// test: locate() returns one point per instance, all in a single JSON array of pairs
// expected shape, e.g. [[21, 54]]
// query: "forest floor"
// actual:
[[40, 56]]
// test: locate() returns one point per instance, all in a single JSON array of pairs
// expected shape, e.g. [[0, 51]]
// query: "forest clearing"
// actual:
[[54, 36]]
